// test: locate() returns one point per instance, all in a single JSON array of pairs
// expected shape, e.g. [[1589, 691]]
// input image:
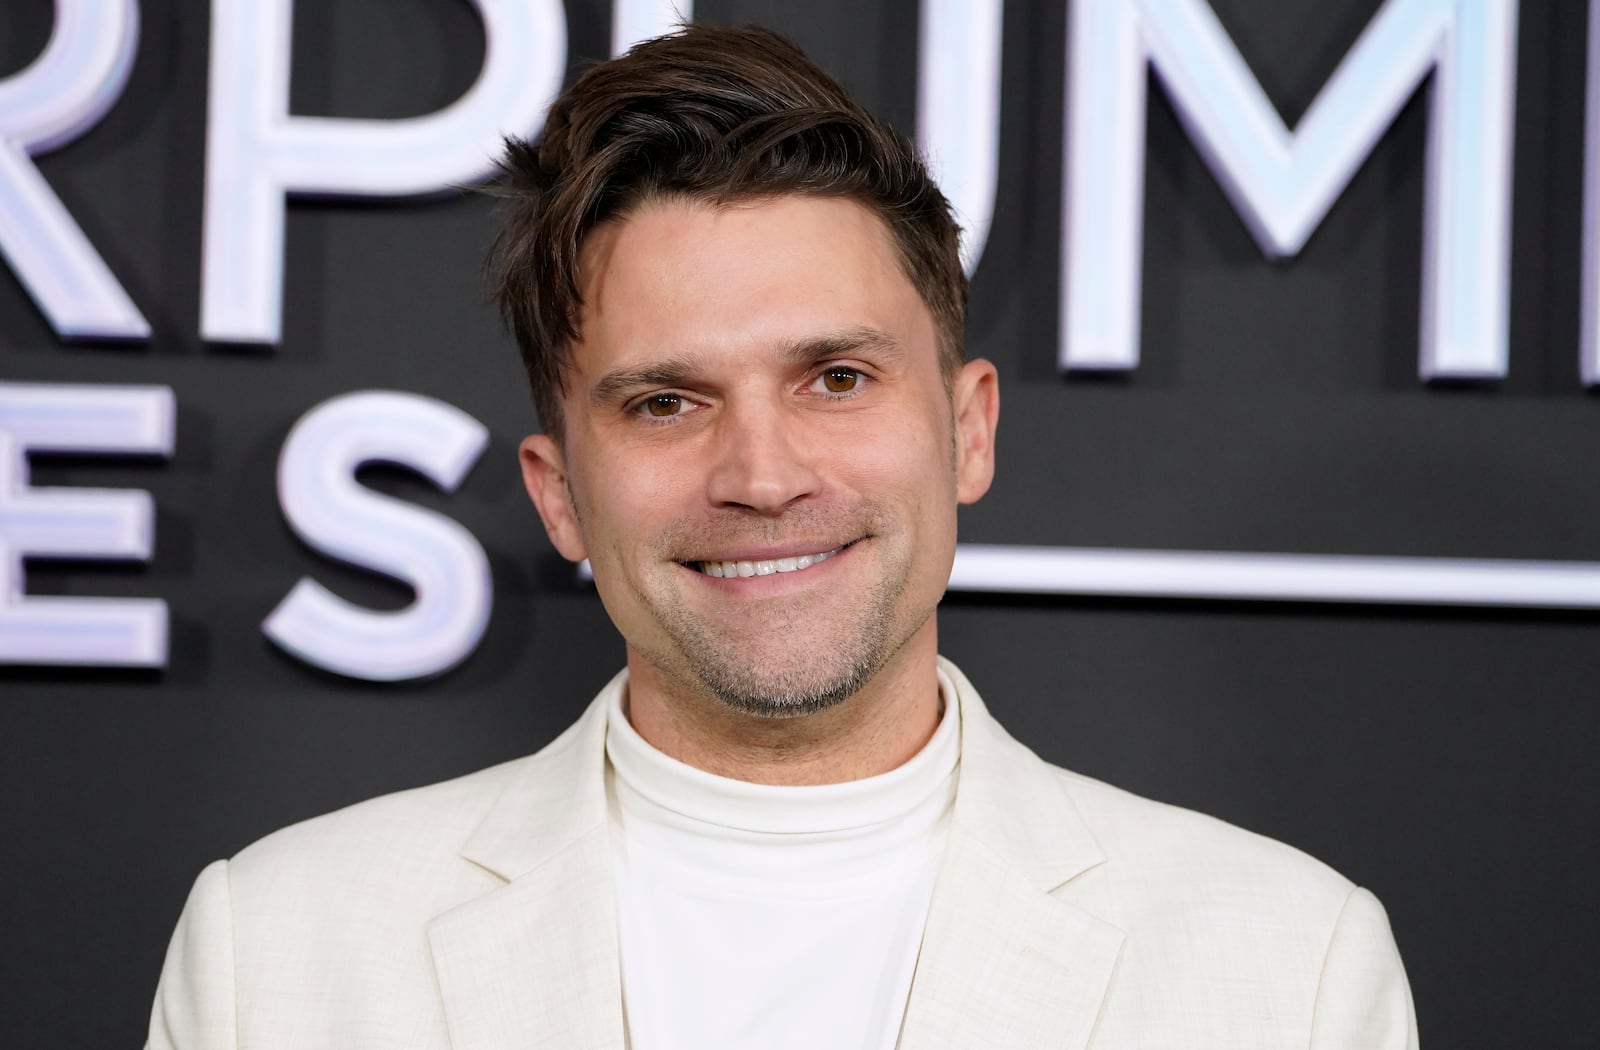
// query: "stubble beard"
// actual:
[[815, 675], [814, 670]]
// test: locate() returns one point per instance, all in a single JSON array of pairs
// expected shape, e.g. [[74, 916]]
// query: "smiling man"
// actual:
[[788, 822], [761, 453]]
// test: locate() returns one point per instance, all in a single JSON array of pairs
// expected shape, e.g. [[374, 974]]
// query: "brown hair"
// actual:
[[709, 113]]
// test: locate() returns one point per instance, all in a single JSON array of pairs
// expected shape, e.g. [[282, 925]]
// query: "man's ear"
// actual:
[[975, 396], [544, 473]]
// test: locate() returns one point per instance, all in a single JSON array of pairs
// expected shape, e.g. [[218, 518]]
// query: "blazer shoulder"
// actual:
[[1141, 834], [386, 837], [418, 812], [1234, 938]]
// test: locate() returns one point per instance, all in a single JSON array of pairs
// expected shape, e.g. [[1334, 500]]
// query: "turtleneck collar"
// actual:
[[677, 818]]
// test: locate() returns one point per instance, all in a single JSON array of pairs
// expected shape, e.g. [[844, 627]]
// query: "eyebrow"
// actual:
[[619, 385], [842, 344]]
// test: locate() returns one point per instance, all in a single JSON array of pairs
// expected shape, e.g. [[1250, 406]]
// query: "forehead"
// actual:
[[677, 276]]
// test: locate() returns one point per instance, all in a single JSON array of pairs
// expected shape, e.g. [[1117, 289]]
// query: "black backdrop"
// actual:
[[1445, 758]]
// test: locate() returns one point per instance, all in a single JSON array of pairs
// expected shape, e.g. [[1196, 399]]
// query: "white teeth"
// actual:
[[730, 569]]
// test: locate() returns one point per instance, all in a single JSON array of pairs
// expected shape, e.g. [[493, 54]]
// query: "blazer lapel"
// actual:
[[1004, 963], [534, 962]]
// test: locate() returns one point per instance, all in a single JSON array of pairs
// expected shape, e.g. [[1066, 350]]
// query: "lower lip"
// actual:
[[774, 581]]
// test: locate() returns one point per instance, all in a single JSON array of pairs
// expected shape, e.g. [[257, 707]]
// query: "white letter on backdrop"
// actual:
[[108, 524], [1284, 182], [257, 154], [958, 110], [53, 101], [1589, 325], [330, 511]]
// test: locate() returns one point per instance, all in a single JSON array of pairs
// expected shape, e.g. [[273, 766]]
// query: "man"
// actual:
[[788, 823]]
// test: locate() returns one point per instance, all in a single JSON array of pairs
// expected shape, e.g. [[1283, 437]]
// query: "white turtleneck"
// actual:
[[753, 915]]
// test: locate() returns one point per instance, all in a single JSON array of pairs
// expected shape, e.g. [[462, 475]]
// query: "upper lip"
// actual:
[[776, 551]]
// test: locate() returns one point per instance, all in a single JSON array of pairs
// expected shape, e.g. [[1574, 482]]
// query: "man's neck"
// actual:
[[871, 732]]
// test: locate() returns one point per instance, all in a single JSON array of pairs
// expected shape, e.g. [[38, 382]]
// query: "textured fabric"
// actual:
[[480, 913], [742, 906]]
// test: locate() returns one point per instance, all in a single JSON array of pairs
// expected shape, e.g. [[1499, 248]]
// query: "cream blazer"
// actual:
[[479, 914]]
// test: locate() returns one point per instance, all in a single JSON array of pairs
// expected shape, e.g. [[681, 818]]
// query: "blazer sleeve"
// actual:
[[1363, 999], [195, 1006]]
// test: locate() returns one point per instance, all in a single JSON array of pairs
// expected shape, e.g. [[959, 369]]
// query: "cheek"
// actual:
[[915, 449], [633, 497]]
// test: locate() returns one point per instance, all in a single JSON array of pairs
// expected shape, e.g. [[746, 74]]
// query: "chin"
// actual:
[[752, 686]]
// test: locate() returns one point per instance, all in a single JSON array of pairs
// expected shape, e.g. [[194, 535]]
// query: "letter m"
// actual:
[[1283, 182]]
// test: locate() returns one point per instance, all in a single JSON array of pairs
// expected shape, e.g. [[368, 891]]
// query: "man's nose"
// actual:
[[763, 459]]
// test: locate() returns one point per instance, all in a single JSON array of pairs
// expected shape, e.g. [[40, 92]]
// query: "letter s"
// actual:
[[331, 512]]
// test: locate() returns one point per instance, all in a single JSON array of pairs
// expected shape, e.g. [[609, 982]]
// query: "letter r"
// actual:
[[53, 101]]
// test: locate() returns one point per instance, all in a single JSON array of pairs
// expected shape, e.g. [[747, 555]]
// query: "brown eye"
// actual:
[[840, 380], [663, 405]]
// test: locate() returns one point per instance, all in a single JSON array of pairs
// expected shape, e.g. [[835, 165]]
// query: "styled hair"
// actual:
[[714, 114]]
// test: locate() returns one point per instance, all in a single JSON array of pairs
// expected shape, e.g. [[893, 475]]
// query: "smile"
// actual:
[[730, 569]]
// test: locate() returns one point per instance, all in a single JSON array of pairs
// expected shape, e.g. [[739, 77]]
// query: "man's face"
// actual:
[[762, 458]]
